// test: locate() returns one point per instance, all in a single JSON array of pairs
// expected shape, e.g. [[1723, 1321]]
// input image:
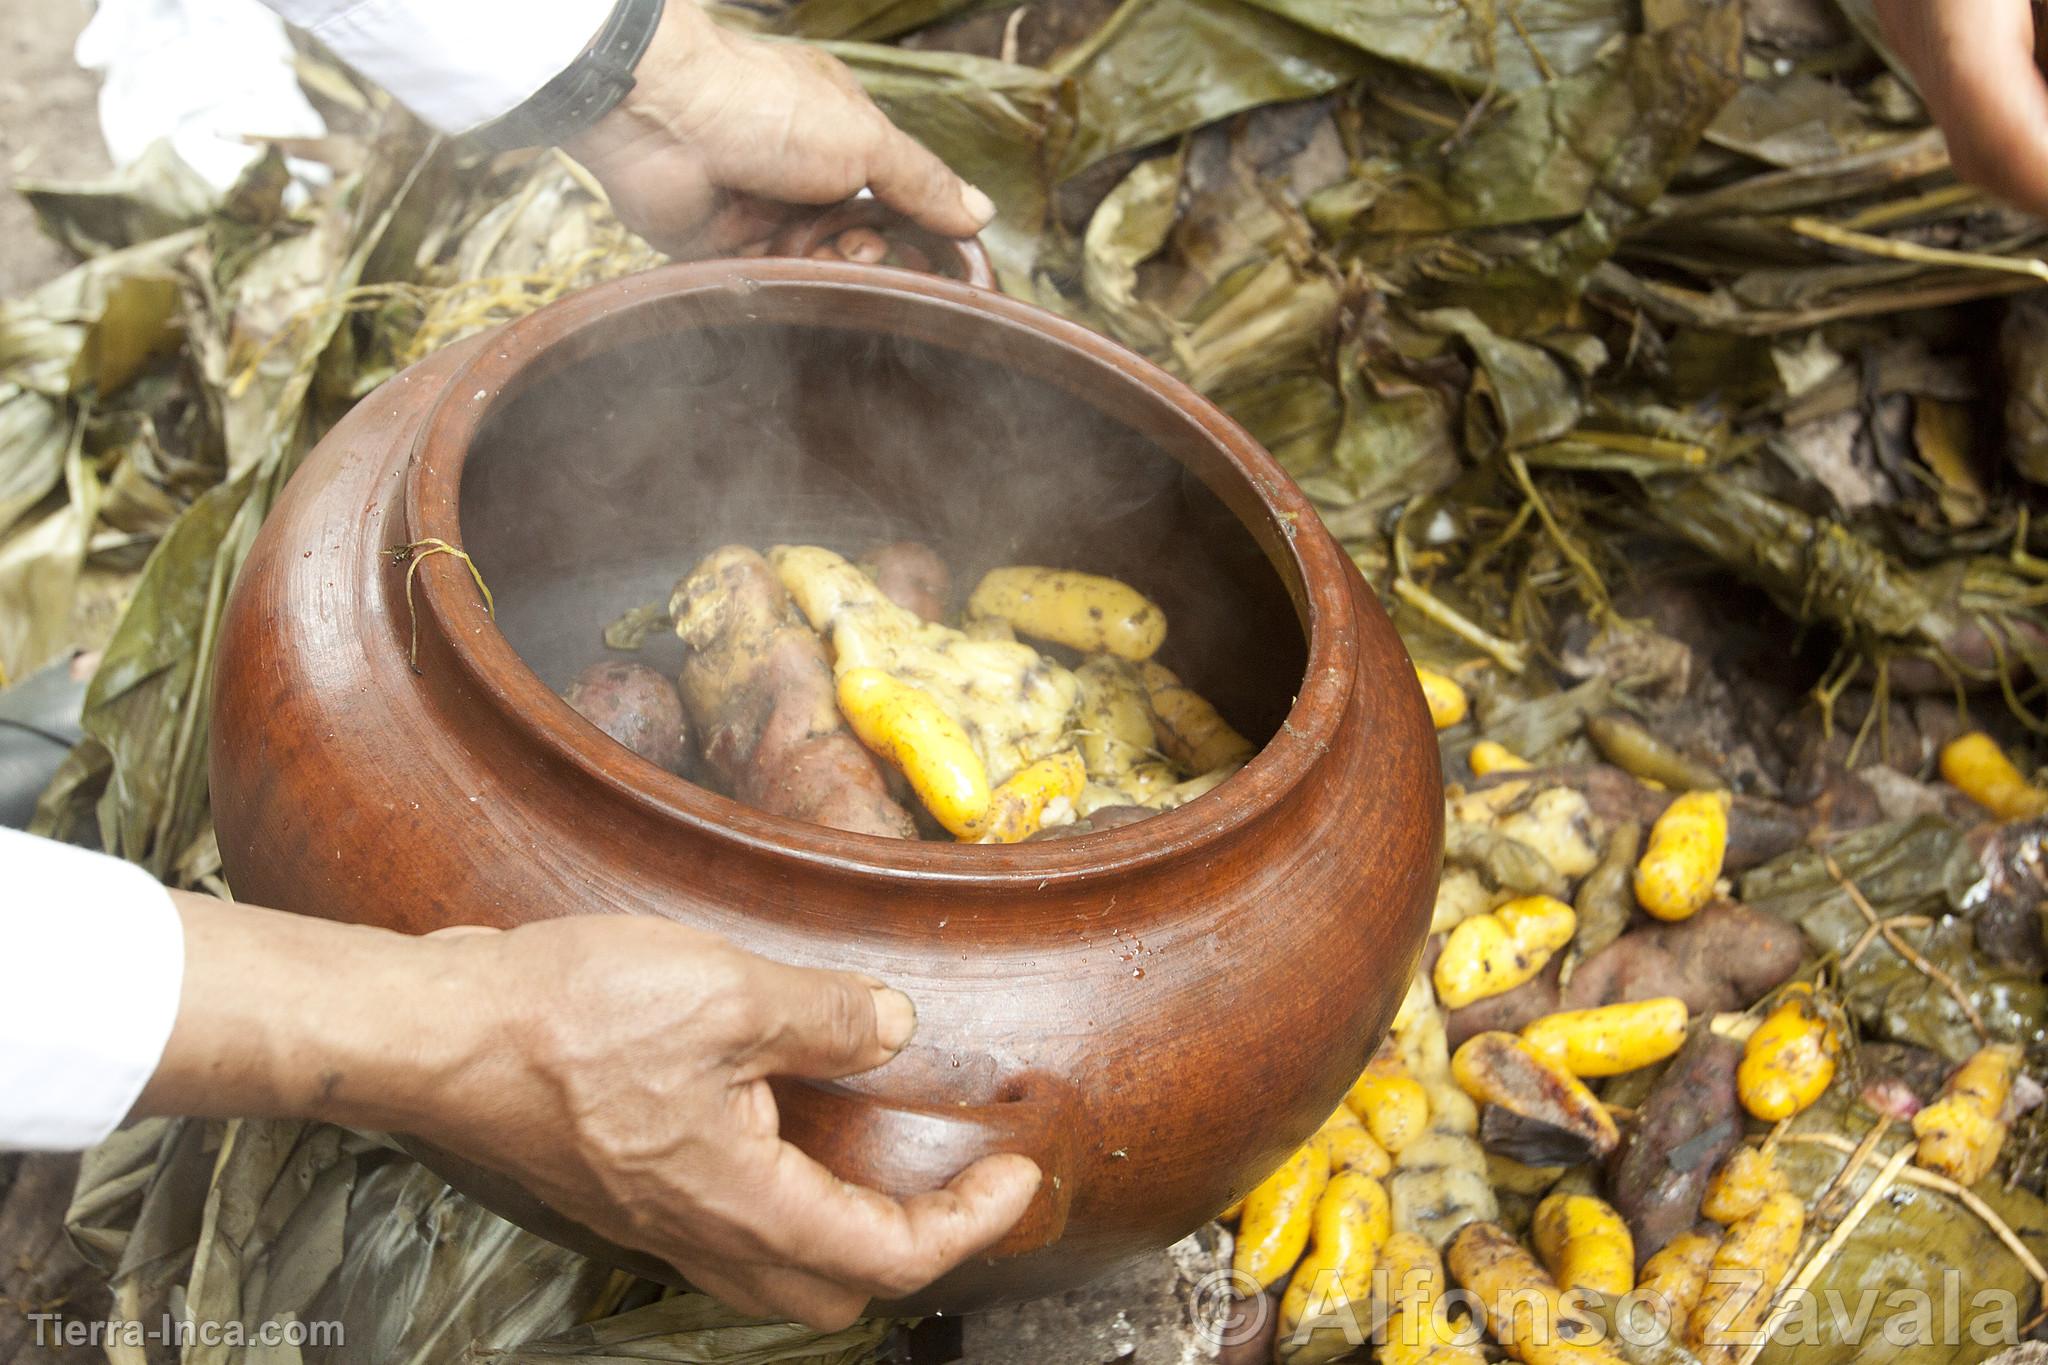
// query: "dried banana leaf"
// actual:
[[2023, 346], [856, 20], [1395, 440], [690, 1329], [1797, 120], [34, 436], [1130, 227], [1924, 867], [40, 564], [1474, 45], [255, 1222], [43, 335], [146, 706], [1609, 137], [154, 197], [1158, 68], [1002, 126], [1522, 395], [1958, 614], [1922, 1280]]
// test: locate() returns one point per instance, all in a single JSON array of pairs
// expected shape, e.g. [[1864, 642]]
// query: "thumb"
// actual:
[[824, 1024]]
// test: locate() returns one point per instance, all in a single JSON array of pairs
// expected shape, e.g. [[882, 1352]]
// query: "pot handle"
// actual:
[[903, 1149], [899, 1149], [824, 236]]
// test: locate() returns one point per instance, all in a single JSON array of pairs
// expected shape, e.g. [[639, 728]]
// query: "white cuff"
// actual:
[[458, 64], [92, 957]]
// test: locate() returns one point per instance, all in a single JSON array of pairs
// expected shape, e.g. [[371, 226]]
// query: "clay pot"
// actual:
[[1157, 1013]]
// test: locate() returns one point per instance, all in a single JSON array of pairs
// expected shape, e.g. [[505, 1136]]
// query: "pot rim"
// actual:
[[1289, 528]]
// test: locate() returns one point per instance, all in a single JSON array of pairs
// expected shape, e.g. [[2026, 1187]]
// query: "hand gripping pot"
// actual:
[[1156, 1013]]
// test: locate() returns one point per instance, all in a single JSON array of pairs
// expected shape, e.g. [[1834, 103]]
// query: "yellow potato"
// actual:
[[1500, 1069], [1739, 1188], [1683, 860], [1610, 1039], [1392, 1104], [1585, 1244], [1447, 701], [1038, 794], [1190, 731], [1962, 1133], [1525, 1309], [1497, 951], [1418, 1330], [1788, 1062], [1488, 758], [1335, 1277], [1748, 1264], [1082, 611], [1974, 765], [1274, 1226], [1673, 1279], [1115, 716], [1350, 1146], [909, 731]]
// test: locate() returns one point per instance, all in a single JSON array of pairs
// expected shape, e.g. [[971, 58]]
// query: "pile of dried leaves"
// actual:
[[1547, 304]]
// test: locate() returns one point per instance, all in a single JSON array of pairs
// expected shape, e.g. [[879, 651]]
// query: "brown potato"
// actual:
[[911, 574], [1510, 1010], [759, 687], [1687, 1124], [1723, 958], [636, 706]]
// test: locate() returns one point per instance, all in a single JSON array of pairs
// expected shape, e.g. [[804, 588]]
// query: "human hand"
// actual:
[[614, 1066], [722, 133], [1974, 63]]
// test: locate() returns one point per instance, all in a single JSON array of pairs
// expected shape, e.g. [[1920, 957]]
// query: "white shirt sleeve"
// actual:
[[92, 957], [458, 64]]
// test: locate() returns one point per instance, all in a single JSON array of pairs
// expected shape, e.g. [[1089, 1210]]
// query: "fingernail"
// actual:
[[895, 1018], [978, 204]]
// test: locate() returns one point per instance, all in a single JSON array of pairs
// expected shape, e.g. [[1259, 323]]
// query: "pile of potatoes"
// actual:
[[1566, 951], [851, 693]]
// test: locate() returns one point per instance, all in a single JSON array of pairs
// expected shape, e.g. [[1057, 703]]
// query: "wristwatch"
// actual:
[[591, 87]]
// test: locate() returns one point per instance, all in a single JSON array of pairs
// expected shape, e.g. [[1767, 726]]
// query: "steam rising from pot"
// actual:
[[597, 486]]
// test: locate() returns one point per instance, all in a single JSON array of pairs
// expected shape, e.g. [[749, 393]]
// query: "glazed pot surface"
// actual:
[[1157, 1013]]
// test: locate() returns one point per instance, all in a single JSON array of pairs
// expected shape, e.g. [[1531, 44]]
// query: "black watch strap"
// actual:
[[591, 87]]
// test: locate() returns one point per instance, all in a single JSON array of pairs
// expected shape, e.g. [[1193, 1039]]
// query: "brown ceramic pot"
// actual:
[[1156, 1013]]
